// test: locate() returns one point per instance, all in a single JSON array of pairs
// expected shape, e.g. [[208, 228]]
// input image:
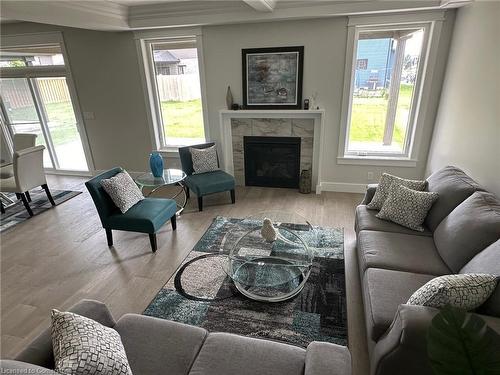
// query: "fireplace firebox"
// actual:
[[272, 161]]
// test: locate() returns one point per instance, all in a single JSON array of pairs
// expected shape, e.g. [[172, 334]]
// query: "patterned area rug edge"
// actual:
[[17, 213]]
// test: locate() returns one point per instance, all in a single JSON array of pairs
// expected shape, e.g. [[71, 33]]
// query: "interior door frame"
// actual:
[[50, 71]]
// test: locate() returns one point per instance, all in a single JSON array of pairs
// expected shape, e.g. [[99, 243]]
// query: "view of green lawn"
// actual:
[[368, 117], [61, 121], [185, 119]]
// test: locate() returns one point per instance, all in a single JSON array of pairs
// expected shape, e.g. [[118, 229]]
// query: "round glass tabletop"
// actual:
[[170, 177], [265, 267]]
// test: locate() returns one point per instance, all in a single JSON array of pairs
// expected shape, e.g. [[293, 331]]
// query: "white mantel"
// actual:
[[317, 115]]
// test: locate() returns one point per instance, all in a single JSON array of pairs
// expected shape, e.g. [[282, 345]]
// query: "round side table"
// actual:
[[170, 177]]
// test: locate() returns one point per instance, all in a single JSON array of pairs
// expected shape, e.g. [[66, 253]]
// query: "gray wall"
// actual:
[[467, 130], [107, 77], [108, 81]]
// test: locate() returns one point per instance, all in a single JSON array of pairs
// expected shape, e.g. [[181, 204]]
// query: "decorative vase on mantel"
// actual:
[[229, 98], [156, 164]]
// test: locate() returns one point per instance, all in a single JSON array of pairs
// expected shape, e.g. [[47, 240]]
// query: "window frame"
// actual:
[[145, 40], [431, 23]]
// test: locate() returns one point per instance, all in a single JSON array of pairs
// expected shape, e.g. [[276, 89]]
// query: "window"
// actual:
[[176, 86], [35, 98], [39, 55], [385, 77]]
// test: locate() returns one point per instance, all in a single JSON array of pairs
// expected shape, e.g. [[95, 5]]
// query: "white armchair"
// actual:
[[20, 141], [28, 174]]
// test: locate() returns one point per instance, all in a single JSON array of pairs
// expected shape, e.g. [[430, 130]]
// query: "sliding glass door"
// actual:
[[20, 112], [43, 106], [58, 113], [35, 98]]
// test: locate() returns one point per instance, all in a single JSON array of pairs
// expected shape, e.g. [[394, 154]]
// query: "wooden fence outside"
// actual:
[[16, 93], [178, 87]]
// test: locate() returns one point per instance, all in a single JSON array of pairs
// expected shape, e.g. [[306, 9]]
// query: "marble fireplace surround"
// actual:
[[306, 124]]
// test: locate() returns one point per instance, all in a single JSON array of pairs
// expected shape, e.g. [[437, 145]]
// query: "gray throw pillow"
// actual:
[[407, 207], [465, 291], [385, 184], [82, 346], [204, 159], [122, 190]]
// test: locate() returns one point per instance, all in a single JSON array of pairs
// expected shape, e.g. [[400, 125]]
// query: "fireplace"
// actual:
[[272, 161]]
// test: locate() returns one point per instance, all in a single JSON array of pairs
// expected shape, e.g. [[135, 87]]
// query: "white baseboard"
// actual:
[[342, 187], [69, 173], [133, 174]]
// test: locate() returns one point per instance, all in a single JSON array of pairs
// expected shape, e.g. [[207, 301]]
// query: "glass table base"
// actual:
[[279, 280], [176, 192]]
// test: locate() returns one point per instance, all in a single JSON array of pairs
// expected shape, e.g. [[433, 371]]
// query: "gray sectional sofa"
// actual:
[[462, 235], [156, 346]]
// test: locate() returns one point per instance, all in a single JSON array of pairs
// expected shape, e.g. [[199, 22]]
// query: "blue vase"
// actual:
[[156, 164]]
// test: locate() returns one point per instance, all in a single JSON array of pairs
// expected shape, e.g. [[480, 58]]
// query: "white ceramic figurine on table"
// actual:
[[268, 232]]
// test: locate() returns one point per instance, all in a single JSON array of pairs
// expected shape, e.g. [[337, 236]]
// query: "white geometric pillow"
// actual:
[[122, 190], [204, 159], [465, 291], [407, 207], [384, 186], [82, 346]]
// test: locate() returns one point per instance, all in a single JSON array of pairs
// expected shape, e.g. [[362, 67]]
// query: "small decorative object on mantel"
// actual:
[[272, 77], [268, 232], [314, 100], [229, 98], [305, 181], [156, 164], [306, 104], [235, 106]]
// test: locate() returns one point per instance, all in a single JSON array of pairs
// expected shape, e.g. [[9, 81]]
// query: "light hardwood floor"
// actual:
[[59, 257]]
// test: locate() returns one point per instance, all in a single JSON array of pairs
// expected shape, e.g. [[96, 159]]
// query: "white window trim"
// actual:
[[432, 24], [143, 41], [52, 71]]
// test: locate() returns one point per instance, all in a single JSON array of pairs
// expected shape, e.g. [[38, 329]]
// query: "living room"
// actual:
[[235, 128]]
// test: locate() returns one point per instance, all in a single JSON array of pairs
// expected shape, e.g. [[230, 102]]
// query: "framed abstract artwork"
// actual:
[[272, 77]]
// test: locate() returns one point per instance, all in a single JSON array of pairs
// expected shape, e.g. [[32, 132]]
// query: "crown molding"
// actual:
[[111, 16], [262, 5], [181, 14], [108, 8], [455, 3], [96, 15]]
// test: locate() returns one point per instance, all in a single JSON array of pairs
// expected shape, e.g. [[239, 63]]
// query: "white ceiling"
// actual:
[[121, 15]]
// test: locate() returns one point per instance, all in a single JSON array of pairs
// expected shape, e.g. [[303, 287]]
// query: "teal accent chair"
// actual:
[[146, 216], [205, 183]]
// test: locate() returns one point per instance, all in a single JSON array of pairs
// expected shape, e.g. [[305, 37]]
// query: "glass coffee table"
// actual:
[[269, 271], [171, 178]]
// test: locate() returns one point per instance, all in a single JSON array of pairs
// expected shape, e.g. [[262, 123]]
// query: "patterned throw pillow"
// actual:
[[204, 159], [385, 184], [464, 291], [122, 190], [83, 346], [407, 207]]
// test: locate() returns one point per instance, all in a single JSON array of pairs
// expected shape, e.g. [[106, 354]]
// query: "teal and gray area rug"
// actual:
[[17, 213], [201, 294]]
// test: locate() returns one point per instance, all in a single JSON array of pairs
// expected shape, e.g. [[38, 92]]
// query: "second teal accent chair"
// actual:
[[205, 183], [146, 216]]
